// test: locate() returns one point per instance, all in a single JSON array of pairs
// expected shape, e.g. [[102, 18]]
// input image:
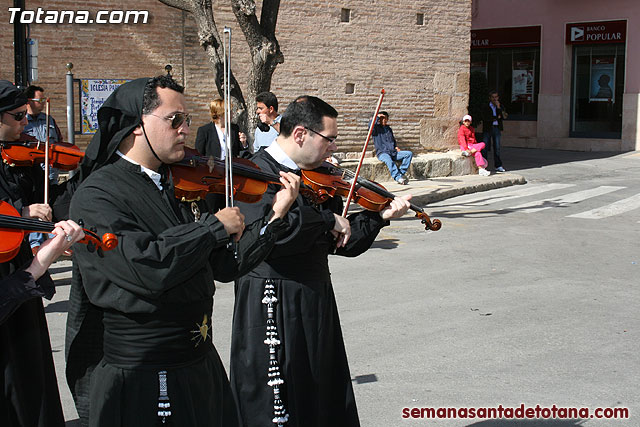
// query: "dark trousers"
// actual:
[[492, 139]]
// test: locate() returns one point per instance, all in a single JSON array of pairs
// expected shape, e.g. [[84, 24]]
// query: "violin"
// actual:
[[196, 176], [13, 228], [330, 181], [29, 151]]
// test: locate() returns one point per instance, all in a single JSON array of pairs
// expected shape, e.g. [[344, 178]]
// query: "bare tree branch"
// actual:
[[263, 46]]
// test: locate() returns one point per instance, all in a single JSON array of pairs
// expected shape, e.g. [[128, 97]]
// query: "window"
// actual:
[[350, 88], [345, 15], [420, 19], [597, 87], [514, 73]]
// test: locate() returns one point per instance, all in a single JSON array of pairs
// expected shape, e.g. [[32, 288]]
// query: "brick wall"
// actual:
[[423, 68]]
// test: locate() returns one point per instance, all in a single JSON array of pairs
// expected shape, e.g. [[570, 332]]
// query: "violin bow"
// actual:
[[364, 151], [228, 166], [47, 106]]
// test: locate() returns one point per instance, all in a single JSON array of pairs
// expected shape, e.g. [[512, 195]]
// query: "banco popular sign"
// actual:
[[596, 32]]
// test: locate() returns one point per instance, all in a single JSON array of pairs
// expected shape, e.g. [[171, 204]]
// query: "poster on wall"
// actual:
[[522, 81], [93, 93], [603, 78]]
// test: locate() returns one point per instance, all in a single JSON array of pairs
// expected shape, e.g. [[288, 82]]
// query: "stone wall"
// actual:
[[423, 68]]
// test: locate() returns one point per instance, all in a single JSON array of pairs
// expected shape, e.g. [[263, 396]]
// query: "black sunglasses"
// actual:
[[17, 116], [177, 119], [325, 137]]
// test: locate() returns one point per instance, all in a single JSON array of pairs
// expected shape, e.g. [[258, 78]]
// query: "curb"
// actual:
[[497, 181]]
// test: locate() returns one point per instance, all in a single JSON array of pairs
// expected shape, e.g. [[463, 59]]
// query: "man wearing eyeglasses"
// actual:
[[288, 359], [37, 127], [139, 347]]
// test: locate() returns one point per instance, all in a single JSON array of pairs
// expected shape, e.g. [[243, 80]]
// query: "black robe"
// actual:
[[144, 307], [28, 387], [310, 359]]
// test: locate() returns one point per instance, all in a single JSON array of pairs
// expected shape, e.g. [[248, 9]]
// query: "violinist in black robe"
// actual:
[[139, 346], [288, 360], [28, 387]]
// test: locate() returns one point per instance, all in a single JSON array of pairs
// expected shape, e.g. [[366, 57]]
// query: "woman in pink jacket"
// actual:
[[469, 145]]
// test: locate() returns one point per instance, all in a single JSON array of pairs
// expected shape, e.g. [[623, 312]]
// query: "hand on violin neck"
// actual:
[[284, 198], [232, 220], [397, 208], [39, 211], [341, 230]]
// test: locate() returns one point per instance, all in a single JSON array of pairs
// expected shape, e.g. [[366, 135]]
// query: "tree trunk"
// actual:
[[263, 46]]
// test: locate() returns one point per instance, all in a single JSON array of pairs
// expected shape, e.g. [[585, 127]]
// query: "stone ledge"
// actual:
[[423, 166]]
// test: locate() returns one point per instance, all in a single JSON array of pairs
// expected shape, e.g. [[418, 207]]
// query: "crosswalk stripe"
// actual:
[[612, 209], [575, 197], [480, 199]]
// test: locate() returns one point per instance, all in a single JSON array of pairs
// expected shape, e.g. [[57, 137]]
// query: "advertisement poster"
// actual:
[[93, 93], [603, 78], [522, 83]]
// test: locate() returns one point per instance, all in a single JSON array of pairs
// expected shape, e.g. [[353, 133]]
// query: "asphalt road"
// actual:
[[527, 295]]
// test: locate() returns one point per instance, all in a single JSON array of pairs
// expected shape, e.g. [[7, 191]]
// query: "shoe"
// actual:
[[500, 169], [483, 172], [405, 180], [465, 153]]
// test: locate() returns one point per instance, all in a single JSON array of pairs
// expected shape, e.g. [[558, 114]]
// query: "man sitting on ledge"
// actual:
[[387, 149]]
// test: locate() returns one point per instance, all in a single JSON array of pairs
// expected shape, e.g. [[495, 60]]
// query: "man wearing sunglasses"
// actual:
[[288, 360], [139, 347], [28, 387]]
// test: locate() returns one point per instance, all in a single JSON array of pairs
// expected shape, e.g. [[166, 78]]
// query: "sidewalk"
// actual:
[[435, 176], [431, 190]]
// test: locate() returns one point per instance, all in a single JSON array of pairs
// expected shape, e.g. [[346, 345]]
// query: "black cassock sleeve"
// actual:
[[306, 224], [144, 263], [19, 287]]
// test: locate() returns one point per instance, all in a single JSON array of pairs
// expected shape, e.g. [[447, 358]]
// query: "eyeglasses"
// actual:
[[17, 116], [325, 137], [177, 119], [38, 99]]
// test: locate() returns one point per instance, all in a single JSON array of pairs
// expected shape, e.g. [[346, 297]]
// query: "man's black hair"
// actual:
[[306, 111], [268, 99], [30, 92], [151, 101], [384, 113], [492, 92]]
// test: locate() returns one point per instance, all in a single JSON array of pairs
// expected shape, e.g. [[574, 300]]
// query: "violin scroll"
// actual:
[[434, 225]]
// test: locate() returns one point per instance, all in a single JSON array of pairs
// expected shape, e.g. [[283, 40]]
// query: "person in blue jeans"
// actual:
[[387, 149], [493, 113]]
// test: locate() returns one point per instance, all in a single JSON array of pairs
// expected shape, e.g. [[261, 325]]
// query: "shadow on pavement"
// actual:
[[516, 159]]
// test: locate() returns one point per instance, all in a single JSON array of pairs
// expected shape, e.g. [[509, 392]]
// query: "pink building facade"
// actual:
[[568, 71]]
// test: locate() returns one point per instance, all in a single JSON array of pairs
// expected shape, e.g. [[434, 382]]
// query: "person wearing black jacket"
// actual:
[[493, 113], [139, 349], [29, 393], [210, 137], [288, 359]]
